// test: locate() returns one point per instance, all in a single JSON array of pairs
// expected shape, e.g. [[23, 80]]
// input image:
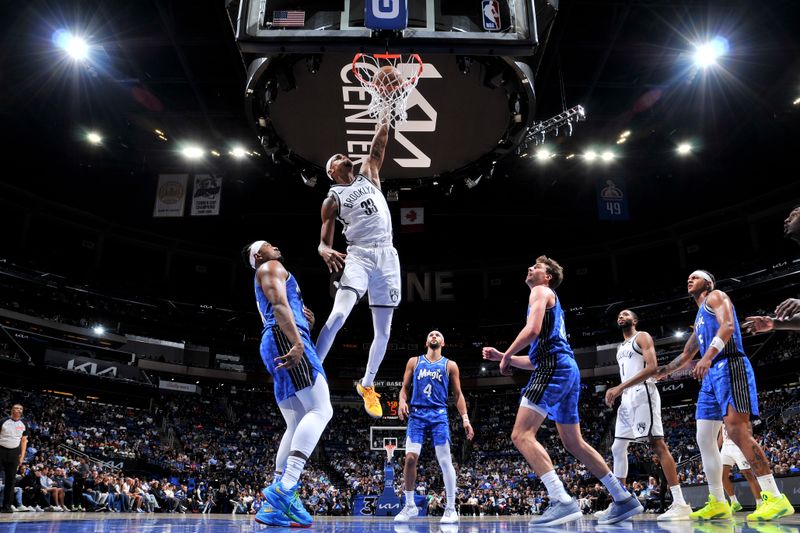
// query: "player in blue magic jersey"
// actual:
[[553, 391], [727, 395], [430, 377], [300, 385]]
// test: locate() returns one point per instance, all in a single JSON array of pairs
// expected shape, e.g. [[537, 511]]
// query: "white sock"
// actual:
[[448, 473], [410, 498], [677, 495], [382, 325], [733, 499], [555, 488], [294, 468], [615, 488], [707, 431], [767, 484]]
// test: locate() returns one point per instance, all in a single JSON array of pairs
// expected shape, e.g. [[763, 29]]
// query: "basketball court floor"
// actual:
[[88, 522]]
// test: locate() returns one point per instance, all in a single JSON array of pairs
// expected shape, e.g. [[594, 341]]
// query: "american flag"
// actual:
[[288, 18]]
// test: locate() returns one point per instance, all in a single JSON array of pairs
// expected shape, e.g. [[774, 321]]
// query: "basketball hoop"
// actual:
[[389, 79], [390, 448]]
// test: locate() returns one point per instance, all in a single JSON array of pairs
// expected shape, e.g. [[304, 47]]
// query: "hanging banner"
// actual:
[[412, 219], [170, 195], [612, 200], [206, 195]]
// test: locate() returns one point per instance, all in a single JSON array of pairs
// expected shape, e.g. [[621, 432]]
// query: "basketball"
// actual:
[[388, 79]]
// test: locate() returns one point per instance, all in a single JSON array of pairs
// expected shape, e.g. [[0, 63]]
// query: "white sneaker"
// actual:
[[603, 513], [450, 516], [407, 514], [38, 509], [676, 512], [14, 509]]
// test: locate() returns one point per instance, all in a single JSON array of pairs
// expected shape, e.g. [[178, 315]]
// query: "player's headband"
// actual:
[[254, 249], [705, 275], [329, 163]]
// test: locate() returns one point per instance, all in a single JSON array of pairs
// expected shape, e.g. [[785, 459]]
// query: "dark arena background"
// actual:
[[144, 143]]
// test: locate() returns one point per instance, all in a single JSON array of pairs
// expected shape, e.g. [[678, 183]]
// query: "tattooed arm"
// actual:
[[689, 351], [372, 164]]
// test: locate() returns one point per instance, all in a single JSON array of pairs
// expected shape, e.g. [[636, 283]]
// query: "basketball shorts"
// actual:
[[374, 270], [422, 421], [639, 414], [730, 381], [554, 389], [287, 382], [731, 454]]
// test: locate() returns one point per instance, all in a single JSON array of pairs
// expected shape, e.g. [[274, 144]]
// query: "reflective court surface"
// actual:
[[88, 522]]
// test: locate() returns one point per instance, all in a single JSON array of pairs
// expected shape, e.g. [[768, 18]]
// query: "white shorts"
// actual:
[[731, 454], [639, 414], [374, 270]]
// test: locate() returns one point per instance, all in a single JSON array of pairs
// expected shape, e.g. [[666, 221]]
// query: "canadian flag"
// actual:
[[412, 219]]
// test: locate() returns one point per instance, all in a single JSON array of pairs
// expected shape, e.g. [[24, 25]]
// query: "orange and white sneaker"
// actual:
[[372, 402]]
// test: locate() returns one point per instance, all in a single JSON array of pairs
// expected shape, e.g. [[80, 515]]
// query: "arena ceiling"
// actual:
[[175, 67]]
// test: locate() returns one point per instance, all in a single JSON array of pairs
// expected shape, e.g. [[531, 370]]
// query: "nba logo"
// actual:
[[491, 15]]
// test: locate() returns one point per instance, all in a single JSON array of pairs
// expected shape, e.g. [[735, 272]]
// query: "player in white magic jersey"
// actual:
[[732, 455], [639, 413], [371, 264]]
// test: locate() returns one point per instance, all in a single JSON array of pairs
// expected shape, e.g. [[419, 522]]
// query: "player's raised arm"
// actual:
[[461, 403], [372, 164]]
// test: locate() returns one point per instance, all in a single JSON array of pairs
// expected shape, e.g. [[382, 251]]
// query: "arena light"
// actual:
[[192, 152], [607, 156], [543, 154], [99, 330], [590, 155], [707, 54], [796, 101], [684, 148], [483, 369], [679, 334], [238, 152], [94, 137], [215, 153]]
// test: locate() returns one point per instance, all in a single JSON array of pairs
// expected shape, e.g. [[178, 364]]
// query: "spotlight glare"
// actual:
[[543, 154], [706, 55], [99, 330], [238, 152], [607, 156], [796, 101], [570, 156], [94, 137], [76, 48], [624, 134], [679, 334], [591, 155], [622, 140], [684, 149], [215, 153], [192, 152]]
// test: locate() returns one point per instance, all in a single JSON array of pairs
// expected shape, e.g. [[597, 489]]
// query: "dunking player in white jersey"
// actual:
[[371, 263], [639, 413]]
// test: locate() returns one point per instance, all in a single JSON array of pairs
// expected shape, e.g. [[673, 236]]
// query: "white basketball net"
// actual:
[[388, 106]]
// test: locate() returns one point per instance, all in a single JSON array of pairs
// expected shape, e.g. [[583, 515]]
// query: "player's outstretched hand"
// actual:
[[788, 308], [402, 411], [309, 314], [333, 259], [291, 359], [469, 430], [759, 324], [491, 354]]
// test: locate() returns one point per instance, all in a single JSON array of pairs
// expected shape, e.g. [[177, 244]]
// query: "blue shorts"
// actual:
[[287, 382], [730, 381], [423, 420], [556, 388]]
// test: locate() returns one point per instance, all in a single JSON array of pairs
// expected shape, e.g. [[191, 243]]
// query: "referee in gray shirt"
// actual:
[[13, 442]]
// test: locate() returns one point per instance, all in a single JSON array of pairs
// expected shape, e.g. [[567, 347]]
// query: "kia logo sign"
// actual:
[[386, 506]]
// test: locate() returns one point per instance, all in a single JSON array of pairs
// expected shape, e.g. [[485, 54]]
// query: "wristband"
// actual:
[[466, 418], [718, 343]]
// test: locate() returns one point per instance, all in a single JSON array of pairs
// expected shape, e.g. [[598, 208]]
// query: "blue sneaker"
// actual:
[[557, 513], [289, 503], [269, 516], [622, 510]]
